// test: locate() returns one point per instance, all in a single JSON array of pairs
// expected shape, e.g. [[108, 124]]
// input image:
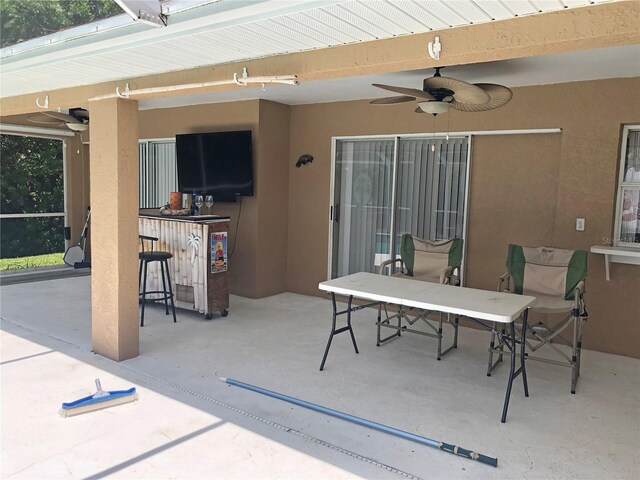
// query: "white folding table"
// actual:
[[473, 303]]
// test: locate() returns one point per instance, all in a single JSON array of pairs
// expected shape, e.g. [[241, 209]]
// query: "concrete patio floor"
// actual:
[[186, 424]]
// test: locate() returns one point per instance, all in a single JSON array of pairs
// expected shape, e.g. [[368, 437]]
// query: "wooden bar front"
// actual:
[[199, 267]]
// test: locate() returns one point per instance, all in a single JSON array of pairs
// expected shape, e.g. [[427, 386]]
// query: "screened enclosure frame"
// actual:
[[65, 202], [396, 138]]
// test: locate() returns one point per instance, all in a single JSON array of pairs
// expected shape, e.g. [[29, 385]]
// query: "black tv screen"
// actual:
[[217, 163]]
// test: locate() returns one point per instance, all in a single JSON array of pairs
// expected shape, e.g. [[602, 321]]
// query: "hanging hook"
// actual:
[[46, 102], [435, 48], [126, 91], [264, 87], [238, 82]]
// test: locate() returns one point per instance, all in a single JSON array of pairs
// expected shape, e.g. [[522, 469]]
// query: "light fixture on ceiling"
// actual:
[[434, 107]]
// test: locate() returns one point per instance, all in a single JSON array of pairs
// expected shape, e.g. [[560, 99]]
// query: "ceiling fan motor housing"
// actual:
[[439, 94]]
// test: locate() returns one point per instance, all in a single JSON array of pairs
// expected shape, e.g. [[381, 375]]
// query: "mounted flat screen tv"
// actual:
[[216, 163]]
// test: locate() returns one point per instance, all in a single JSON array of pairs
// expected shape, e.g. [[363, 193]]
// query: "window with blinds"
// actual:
[[432, 177], [158, 172], [387, 186], [627, 232]]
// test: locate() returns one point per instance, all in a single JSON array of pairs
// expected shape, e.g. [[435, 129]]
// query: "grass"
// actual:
[[30, 262]]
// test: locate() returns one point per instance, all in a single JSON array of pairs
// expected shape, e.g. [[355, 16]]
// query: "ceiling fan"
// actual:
[[439, 94], [77, 119]]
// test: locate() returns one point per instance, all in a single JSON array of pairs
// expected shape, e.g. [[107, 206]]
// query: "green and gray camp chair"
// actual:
[[436, 262], [556, 278]]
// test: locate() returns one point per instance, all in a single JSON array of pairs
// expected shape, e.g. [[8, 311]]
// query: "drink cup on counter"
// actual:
[[175, 200]]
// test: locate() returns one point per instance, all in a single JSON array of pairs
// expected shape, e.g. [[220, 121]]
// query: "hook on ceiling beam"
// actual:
[[435, 48], [46, 102]]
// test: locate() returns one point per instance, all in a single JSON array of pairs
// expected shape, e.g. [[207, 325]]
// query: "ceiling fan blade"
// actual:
[[392, 100], [44, 119], [63, 117], [462, 91], [499, 96], [411, 92]]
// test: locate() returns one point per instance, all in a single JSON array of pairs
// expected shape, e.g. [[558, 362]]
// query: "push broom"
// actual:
[[99, 400]]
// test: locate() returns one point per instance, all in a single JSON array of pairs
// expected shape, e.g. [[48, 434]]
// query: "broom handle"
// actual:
[[445, 447], [86, 222]]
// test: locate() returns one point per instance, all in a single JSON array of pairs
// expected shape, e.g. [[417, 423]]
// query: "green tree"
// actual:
[[22, 20], [31, 181]]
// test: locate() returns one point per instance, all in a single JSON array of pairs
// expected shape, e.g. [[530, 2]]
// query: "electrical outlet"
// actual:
[[580, 224]]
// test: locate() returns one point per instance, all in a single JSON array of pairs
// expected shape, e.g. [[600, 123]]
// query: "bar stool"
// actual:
[[145, 257]]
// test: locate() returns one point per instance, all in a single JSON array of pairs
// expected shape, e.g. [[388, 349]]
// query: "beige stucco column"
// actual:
[[114, 227]]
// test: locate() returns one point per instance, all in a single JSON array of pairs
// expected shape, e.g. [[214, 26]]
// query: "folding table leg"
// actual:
[[512, 370], [439, 336], [455, 331], [523, 354], [353, 337], [335, 331], [522, 370]]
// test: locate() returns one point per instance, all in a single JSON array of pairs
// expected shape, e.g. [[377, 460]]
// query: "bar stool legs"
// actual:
[[167, 294], [144, 292], [173, 307]]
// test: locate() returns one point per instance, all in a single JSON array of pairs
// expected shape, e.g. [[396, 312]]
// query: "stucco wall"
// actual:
[[273, 198], [564, 176], [257, 266]]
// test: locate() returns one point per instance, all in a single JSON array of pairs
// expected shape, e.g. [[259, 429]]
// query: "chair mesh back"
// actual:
[[546, 271], [425, 260]]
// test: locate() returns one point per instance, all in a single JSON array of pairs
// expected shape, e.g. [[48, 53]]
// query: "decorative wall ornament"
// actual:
[[303, 160]]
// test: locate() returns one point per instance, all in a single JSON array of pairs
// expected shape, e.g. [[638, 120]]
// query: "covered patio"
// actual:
[[188, 424], [545, 169]]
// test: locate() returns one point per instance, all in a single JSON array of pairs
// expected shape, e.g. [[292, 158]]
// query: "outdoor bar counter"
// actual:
[[198, 269]]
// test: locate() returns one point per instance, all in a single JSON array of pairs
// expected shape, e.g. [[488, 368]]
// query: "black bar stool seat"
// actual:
[[145, 257], [154, 256]]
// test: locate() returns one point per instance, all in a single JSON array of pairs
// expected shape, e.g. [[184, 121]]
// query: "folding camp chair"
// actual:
[[436, 262], [556, 278]]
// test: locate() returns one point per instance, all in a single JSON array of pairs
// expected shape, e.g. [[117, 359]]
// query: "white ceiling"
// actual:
[[231, 31], [613, 62]]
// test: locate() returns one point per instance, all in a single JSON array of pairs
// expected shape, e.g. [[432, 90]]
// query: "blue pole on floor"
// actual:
[[446, 447]]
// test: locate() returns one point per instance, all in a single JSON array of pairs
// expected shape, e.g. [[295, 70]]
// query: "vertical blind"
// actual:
[[158, 172], [432, 175]]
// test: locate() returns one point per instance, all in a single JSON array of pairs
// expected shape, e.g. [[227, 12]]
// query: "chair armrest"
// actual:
[[578, 302], [386, 263], [445, 276], [501, 281]]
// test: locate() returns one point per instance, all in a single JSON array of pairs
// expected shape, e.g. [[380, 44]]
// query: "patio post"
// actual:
[[114, 227]]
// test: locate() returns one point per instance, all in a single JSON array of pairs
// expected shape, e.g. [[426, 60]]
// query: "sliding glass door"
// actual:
[[361, 214], [385, 187]]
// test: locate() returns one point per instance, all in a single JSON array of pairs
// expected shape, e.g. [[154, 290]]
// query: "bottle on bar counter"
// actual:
[[194, 207]]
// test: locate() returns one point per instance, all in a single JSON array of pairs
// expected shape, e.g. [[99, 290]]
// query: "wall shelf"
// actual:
[[628, 255]]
